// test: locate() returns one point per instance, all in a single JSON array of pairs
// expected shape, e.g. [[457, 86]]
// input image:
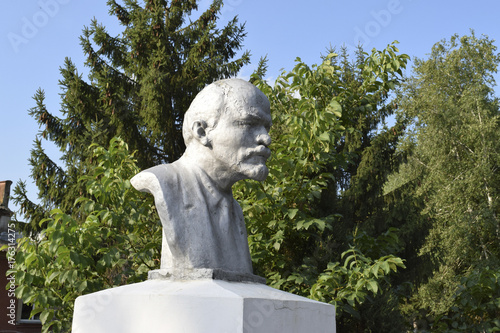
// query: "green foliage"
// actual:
[[321, 224], [292, 221], [304, 130], [140, 83], [476, 304], [91, 230], [114, 240], [453, 142], [348, 285]]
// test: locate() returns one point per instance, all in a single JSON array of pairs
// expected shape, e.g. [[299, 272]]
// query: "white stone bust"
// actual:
[[226, 131]]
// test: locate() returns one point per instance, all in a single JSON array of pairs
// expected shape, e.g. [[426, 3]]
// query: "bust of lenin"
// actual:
[[226, 132]]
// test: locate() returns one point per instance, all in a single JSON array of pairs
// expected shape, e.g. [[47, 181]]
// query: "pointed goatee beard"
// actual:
[[256, 172]]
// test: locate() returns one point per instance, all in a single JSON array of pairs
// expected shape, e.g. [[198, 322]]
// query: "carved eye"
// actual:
[[245, 123]]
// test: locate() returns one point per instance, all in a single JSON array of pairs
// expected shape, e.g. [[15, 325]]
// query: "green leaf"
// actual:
[[46, 316], [292, 212], [385, 267], [53, 274], [373, 286], [325, 136], [81, 286], [335, 108]]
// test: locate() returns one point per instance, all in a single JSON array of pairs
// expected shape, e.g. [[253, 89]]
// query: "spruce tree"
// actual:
[[140, 83]]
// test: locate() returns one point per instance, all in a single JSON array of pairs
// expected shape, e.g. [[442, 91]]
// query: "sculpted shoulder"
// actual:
[[154, 179], [226, 132]]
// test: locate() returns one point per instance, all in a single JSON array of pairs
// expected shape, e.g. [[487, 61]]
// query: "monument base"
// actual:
[[200, 306], [203, 273]]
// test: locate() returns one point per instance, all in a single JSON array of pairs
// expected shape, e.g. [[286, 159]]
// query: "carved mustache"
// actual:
[[259, 151]]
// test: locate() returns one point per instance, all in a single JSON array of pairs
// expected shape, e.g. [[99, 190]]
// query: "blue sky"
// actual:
[[36, 36]]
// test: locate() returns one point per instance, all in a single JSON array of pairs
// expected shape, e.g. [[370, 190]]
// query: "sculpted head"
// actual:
[[226, 128]]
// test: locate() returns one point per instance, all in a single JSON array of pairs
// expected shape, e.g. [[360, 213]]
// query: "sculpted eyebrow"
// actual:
[[256, 117]]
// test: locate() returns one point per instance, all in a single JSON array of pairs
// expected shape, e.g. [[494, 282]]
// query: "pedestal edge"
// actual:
[[204, 273]]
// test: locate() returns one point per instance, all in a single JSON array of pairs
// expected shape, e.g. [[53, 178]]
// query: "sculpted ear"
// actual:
[[198, 127]]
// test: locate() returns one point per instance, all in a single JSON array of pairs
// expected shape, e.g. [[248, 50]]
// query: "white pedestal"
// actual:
[[200, 306]]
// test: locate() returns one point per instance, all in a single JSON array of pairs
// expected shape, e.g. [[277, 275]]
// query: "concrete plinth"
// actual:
[[200, 306]]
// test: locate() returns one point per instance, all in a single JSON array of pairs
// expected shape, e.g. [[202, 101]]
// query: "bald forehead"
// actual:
[[229, 96], [239, 91], [250, 109], [247, 99]]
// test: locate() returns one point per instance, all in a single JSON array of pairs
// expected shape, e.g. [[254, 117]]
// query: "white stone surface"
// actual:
[[226, 134], [204, 273], [201, 306], [205, 253]]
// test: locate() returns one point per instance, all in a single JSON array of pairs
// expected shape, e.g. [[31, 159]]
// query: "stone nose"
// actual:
[[264, 139]]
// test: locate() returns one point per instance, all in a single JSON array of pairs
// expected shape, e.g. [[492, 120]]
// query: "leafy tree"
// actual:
[[454, 144], [94, 231], [293, 218], [140, 83], [476, 304], [358, 192], [114, 241], [326, 119]]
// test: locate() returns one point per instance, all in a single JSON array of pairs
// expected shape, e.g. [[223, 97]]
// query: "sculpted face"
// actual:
[[239, 142]]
